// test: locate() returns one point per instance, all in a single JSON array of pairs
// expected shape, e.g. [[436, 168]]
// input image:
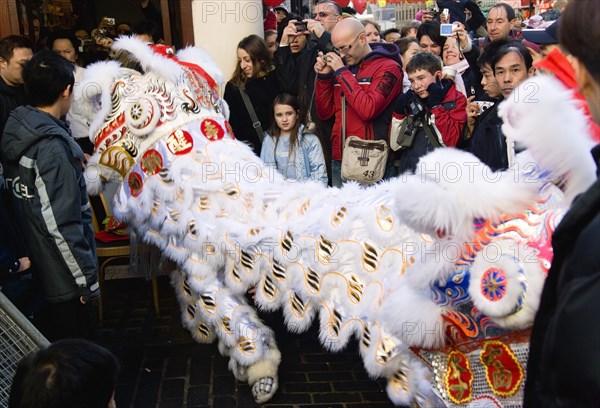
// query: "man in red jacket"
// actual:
[[370, 78], [433, 100]]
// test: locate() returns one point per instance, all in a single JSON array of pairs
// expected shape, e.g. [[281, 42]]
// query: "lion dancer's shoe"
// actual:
[[210, 310], [262, 375]]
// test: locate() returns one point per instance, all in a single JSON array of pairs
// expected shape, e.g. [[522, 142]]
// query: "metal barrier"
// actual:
[[18, 338]]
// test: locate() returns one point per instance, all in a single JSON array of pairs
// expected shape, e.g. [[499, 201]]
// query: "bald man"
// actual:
[[369, 76]]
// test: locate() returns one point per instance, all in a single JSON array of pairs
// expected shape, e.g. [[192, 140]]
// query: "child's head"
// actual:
[[286, 110], [49, 80], [423, 70], [68, 373]]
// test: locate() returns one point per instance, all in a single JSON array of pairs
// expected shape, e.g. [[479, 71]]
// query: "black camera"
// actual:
[[301, 26], [416, 108]]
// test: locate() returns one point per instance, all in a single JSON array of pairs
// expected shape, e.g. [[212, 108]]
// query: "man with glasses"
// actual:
[[370, 78], [325, 16]]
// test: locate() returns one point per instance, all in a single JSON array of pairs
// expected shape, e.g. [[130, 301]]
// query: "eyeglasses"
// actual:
[[322, 14], [346, 48]]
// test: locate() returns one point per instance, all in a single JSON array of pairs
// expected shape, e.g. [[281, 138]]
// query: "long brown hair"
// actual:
[[256, 47], [287, 99]]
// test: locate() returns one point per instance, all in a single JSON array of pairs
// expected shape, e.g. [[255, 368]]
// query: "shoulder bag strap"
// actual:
[[343, 123], [255, 122], [430, 132]]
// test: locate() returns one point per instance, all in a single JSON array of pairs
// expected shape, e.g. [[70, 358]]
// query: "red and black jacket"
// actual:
[[370, 88]]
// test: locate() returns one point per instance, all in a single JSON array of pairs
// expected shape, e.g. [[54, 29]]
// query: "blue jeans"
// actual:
[[336, 173]]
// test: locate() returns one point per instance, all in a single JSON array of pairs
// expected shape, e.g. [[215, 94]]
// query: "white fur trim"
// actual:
[[148, 59], [544, 116], [199, 56], [448, 178], [266, 367]]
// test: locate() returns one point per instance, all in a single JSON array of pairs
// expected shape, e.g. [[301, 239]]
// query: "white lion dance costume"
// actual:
[[438, 274]]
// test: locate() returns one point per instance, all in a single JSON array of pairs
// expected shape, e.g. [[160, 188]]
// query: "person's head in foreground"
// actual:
[[71, 373]]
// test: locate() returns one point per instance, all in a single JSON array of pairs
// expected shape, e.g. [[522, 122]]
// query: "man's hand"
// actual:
[[25, 264], [289, 33], [334, 60], [89, 295], [427, 16], [321, 66], [472, 111], [314, 27]]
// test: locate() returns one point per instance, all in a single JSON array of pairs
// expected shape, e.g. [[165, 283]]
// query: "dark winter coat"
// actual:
[[43, 165], [564, 357], [488, 142], [262, 93], [10, 98]]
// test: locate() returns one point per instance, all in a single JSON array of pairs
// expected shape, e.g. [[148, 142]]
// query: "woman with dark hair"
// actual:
[[254, 75], [430, 39]]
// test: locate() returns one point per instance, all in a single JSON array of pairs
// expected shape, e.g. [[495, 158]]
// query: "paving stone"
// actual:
[[307, 387], [308, 367], [277, 406], [339, 376], [286, 376], [337, 397], [224, 402], [244, 397], [198, 395], [284, 398], [329, 357], [375, 396], [371, 405], [355, 385], [176, 367], [171, 403], [223, 385], [173, 388], [322, 406], [200, 375]]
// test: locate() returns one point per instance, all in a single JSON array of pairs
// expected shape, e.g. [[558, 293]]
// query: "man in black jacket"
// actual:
[[15, 51], [488, 142], [564, 359], [45, 172]]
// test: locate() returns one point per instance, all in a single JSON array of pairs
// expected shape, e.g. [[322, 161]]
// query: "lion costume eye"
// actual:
[[142, 115]]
